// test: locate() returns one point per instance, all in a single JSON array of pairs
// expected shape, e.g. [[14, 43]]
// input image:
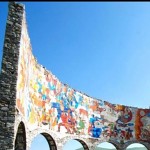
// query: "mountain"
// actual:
[[100, 148]]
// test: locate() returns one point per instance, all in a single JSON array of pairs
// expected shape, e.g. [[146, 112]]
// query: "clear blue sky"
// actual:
[[99, 48]]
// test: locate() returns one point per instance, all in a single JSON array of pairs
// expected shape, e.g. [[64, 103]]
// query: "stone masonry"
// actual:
[[8, 76]]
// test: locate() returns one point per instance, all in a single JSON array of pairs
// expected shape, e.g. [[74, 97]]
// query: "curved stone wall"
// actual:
[[34, 97], [46, 102]]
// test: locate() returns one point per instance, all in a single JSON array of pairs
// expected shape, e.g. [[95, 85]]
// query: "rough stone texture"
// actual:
[[8, 76], [16, 132]]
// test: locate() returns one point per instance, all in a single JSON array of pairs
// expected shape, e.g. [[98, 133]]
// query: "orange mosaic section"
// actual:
[[142, 124]]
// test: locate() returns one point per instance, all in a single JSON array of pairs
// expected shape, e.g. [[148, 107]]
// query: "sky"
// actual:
[[99, 48]]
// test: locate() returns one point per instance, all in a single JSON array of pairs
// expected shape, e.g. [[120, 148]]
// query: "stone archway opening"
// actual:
[[106, 145], [43, 141], [20, 141], [137, 146], [75, 144]]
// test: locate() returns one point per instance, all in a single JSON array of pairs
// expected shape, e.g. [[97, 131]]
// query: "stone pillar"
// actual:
[[8, 76], [60, 142], [92, 147], [121, 146]]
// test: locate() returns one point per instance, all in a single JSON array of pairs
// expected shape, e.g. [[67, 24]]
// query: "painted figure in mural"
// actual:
[[128, 134], [145, 129], [67, 121], [72, 124], [125, 115], [79, 99], [105, 131], [57, 106], [80, 126], [83, 112], [117, 131], [71, 99], [108, 131], [95, 127], [96, 107], [64, 122], [92, 120], [96, 130]]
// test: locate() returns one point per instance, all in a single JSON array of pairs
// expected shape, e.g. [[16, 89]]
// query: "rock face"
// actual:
[[33, 101], [9, 74]]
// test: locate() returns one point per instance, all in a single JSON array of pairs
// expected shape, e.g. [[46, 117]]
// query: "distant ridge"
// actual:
[[100, 148]]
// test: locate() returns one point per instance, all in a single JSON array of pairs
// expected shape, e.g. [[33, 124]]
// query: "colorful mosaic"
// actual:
[[44, 101]]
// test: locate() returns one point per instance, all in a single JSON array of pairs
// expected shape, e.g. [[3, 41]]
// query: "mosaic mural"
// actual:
[[44, 101]]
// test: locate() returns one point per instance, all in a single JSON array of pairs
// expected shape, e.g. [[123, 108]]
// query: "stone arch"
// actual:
[[80, 140], [20, 140], [138, 142], [83, 144], [135, 143], [50, 140], [115, 145]]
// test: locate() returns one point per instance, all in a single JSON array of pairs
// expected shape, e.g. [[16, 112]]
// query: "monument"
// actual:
[[34, 101]]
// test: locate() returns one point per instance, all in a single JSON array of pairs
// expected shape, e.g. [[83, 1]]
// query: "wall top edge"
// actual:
[[107, 101], [13, 3]]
